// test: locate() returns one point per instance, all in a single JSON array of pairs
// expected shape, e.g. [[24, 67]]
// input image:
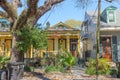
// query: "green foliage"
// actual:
[[113, 71], [73, 23], [31, 36], [103, 67], [66, 59], [28, 68], [3, 61], [54, 69]]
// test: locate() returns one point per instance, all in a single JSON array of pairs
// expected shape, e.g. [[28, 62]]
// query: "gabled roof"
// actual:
[[4, 20], [111, 8], [93, 17], [62, 26]]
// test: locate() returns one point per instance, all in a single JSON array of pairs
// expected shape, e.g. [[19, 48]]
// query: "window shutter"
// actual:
[[100, 48], [114, 49]]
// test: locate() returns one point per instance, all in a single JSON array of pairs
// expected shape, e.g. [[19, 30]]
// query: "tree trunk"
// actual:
[[69, 68], [16, 56]]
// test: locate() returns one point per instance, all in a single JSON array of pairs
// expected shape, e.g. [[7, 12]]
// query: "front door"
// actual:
[[73, 49], [106, 48]]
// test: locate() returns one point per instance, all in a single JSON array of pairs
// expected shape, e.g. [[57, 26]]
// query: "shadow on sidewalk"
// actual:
[[40, 75]]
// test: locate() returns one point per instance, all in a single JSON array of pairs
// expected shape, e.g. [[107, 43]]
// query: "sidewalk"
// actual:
[[77, 73]]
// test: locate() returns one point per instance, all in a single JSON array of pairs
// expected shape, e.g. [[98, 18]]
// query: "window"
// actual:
[[111, 17]]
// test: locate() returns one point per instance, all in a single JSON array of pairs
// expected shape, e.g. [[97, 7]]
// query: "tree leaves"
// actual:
[[31, 36]]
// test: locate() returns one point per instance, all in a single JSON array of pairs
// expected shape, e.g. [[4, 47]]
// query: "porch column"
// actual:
[[56, 44], [2, 47], [68, 43], [79, 44]]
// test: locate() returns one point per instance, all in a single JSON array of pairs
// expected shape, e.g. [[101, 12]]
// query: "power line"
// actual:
[[49, 15], [94, 13]]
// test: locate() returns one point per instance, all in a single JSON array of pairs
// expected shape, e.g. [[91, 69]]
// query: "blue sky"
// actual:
[[68, 10]]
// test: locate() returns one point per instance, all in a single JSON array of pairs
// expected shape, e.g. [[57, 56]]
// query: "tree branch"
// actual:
[[3, 14], [43, 9], [32, 7], [27, 14], [21, 20], [9, 9], [33, 13]]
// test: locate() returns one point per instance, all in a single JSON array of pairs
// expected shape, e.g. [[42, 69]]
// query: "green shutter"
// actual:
[[114, 49], [100, 48]]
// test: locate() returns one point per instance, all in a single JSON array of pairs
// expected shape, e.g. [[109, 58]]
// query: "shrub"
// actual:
[[3, 61], [54, 69], [67, 59], [28, 68], [103, 67]]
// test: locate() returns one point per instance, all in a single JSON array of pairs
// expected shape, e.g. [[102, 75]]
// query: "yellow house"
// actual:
[[63, 37], [60, 37], [5, 37]]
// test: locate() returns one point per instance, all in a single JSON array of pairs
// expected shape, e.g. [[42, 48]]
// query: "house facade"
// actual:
[[60, 37], [63, 37], [5, 37], [109, 33]]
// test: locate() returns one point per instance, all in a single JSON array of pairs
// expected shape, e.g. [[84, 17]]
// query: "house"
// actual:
[[5, 37], [60, 37], [63, 37], [109, 33]]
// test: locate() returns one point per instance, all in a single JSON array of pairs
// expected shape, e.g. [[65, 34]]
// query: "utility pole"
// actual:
[[98, 37]]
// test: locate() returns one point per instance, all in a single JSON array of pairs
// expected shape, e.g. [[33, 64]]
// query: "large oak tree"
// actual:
[[29, 15]]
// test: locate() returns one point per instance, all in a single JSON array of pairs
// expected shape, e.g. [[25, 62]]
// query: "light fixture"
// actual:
[[108, 40]]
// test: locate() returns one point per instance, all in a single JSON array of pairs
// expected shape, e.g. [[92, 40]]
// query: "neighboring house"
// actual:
[[109, 32], [5, 37], [63, 37]]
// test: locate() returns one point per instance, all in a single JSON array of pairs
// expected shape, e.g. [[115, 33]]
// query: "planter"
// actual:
[[3, 75], [15, 70]]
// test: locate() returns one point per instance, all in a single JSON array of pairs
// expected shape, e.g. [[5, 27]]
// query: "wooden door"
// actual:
[[107, 48], [73, 49]]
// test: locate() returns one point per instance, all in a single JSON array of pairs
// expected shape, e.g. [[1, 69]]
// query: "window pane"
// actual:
[[111, 17]]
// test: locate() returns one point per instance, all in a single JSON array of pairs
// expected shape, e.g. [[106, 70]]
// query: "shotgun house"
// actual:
[[5, 37], [63, 37], [60, 36], [109, 33]]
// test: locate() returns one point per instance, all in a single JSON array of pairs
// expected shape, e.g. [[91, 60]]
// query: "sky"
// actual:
[[68, 10]]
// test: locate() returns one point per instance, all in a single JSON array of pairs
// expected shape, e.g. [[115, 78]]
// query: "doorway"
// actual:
[[73, 47], [107, 48]]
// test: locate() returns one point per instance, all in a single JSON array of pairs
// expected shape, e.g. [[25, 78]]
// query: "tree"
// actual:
[[29, 15], [31, 37], [73, 23]]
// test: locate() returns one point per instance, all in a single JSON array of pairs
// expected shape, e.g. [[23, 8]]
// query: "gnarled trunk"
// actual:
[[16, 56]]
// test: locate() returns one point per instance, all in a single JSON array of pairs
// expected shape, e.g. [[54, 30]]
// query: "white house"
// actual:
[[109, 33]]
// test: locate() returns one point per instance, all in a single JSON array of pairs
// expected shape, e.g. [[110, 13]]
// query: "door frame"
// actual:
[[110, 36]]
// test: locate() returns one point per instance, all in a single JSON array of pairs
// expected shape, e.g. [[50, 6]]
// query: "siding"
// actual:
[[117, 34]]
